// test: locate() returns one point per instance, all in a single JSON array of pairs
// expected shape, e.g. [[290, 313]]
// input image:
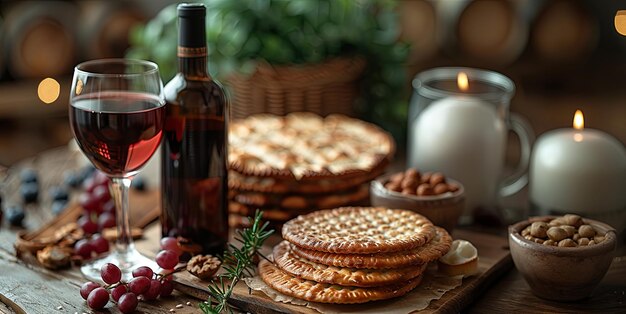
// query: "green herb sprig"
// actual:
[[238, 262]]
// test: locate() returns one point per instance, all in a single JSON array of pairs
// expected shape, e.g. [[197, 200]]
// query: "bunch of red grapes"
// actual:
[[98, 206], [145, 282], [98, 214]]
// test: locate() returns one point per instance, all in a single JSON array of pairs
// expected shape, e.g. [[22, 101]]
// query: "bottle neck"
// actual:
[[192, 50], [192, 62]]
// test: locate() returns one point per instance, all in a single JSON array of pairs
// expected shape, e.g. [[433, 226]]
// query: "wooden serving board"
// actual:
[[493, 261]]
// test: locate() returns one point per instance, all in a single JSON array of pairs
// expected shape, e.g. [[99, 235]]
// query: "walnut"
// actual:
[[54, 257], [203, 266]]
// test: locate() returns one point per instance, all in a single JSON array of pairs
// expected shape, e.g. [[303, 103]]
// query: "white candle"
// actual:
[[578, 171], [464, 138]]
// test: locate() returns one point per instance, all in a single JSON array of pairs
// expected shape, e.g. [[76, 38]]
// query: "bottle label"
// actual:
[[188, 52]]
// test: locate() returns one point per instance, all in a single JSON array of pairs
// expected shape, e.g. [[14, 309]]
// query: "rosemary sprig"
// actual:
[[237, 263]]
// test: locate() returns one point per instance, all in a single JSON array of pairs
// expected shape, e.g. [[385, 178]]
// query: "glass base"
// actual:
[[127, 261]]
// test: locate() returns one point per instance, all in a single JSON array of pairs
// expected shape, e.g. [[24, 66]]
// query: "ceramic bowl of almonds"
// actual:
[[562, 258], [430, 194]]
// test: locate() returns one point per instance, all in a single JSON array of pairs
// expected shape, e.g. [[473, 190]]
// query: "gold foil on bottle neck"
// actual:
[[187, 52]]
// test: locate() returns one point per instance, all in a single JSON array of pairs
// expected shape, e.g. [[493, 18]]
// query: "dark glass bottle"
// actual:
[[194, 152]]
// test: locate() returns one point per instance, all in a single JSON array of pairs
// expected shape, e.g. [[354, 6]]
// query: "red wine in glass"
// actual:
[[117, 115], [117, 131]]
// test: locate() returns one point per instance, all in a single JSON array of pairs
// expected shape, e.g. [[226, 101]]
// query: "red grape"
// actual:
[[83, 248], [101, 179], [118, 291], [87, 287], [154, 290], [89, 184], [98, 298], [143, 271], [110, 273], [139, 285], [170, 243], [106, 220], [167, 259], [166, 288], [89, 203], [99, 244], [101, 194], [127, 303], [109, 207], [88, 226]]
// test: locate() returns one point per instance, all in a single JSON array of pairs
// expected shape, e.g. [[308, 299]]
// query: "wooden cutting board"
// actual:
[[493, 261]]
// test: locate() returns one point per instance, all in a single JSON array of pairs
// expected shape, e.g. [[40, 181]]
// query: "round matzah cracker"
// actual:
[[304, 146], [305, 269], [294, 201], [437, 247], [239, 182], [327, 293], [359, 230]]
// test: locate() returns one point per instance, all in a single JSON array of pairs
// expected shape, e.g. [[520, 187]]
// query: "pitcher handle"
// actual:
[[516, 181]]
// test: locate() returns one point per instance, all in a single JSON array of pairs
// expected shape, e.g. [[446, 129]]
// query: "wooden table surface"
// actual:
[[26, 288]]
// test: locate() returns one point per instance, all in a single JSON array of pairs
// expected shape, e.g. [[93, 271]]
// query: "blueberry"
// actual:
[[15, 215], [71, 179], [58, 194], [30, 192], [29, 176], [58, 206], [139, 184]]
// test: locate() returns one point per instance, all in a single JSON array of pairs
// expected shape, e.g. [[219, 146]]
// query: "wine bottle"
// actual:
[[194, 153]]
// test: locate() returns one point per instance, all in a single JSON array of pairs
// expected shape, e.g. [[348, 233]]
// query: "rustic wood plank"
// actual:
[[31, 289], [26, 288], [512, 294]]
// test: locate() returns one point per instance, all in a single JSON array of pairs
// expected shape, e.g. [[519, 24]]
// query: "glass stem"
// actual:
[[119, 189]]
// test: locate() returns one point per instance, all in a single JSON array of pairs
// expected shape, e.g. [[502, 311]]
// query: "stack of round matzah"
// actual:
[[295, 164], [353, 254]]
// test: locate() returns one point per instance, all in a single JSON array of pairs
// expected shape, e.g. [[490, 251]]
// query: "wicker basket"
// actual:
[[330, 87]]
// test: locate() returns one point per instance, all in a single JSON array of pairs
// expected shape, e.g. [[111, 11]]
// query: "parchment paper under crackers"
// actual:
[[433, 286]]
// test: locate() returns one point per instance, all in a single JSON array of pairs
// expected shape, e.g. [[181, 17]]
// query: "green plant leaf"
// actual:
[[241, 33]]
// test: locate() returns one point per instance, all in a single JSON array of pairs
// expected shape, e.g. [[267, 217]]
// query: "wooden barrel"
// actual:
[[564, 31], [492, 31], [105, 27], [2, 55], [40, 38], [418, 20]]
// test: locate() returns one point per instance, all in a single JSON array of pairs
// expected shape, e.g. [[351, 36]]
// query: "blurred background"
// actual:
[[563, 55]]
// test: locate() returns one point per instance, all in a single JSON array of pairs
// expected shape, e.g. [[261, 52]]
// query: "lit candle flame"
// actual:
[[462, 81], [579, 120]]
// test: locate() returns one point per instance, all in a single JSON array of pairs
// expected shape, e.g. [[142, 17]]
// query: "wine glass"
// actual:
[[117, 114]]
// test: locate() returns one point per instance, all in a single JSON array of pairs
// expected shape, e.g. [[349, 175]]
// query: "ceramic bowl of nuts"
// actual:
[[430, 194], [562, 258]]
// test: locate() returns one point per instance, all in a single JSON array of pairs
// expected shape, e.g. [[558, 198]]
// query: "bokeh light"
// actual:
[[48, 90]]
